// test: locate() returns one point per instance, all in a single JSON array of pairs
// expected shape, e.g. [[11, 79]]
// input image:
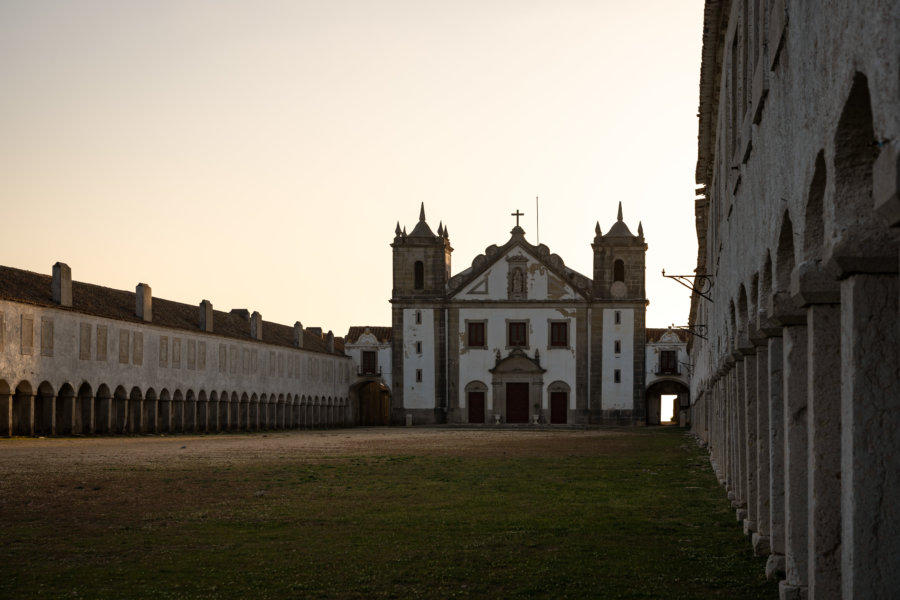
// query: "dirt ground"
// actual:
[[36, 456]]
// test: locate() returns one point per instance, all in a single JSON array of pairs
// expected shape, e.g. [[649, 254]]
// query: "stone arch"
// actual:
[[120, 410], [477, 402], [84, 409], [150, 420], [753, 298], [280, 410], [64, 412], [202, 412], [765, 283], [732, 327], [212, 412], [178, 412], [190, 411], [861, 243], [244, 413], [238, 418], [44, 404], [23, 409], [165, 411], [103, 410], [813, 216], [135, 410], [619, 270], [784, 255], [419, 275], [257, 421], [560, 395], [5, 409], [743, 319], [660, 388]]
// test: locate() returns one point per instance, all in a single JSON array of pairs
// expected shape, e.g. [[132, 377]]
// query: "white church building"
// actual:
[[518, 337]]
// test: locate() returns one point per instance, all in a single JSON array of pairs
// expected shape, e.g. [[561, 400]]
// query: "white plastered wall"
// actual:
[[618, 396]]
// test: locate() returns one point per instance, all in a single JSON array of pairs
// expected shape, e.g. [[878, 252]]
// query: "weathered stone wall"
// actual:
[[797, 388], [57, 366]]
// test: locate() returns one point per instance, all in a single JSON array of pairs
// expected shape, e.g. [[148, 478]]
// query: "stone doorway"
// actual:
[[517, 402], [373, 404], [475, 402], [558, 408]]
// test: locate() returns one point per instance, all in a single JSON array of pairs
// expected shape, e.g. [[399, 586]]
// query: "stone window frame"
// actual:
[[418, 317], [418, 347], [617, 347], [418, 375], [527, 324], [550, 344], [617, 317], [484, 333], [617, 375]]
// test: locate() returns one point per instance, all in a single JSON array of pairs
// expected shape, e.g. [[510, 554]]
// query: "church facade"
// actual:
[[518, 336]]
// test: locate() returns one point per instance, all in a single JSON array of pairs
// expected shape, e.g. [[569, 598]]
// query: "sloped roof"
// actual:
[[34, 288], [382, 334]]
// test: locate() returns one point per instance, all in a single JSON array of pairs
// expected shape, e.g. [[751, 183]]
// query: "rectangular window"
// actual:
[[517, 334], [617, 376], [27, 335], [102, 341], [559, 334], [618, 317], [418, 347], [475, 334], [418, 375], [46, 336], [617, 346], [370, 362], [418, 317], [124, 339], [668, 362], [84, 346]]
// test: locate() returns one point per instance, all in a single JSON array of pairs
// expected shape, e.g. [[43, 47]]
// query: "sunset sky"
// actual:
[[259, 154]]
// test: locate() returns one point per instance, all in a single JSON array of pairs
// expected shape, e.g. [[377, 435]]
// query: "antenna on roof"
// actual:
[[537, 218]]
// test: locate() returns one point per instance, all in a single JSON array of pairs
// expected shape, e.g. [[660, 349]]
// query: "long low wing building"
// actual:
[[81, 358]]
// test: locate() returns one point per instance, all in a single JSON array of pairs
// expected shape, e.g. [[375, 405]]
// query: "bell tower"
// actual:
[[618, 325], [421, 269]]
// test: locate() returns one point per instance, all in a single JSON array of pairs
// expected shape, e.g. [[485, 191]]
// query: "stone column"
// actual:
[[775, 564], [870, 418], [739, 442], [750, 442], [103, 414], [760, 539], [6, 415], [795, 457]]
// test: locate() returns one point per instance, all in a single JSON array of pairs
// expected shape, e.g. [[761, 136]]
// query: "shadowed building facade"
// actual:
[[796, 385]]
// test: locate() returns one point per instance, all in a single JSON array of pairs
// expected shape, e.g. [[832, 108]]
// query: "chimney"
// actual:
[[206, 316], [329, 341], [242, 313], [256, 326], [298, 334], [62, 284], [143, 302]]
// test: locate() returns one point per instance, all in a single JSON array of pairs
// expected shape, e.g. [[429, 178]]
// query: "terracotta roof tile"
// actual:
[[34, 288]]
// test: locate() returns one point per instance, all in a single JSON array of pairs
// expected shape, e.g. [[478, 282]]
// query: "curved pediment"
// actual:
[[563, 281], [517, 362]]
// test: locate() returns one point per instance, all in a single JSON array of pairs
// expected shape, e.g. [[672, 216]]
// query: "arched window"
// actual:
[[420, 275], [619, 270]]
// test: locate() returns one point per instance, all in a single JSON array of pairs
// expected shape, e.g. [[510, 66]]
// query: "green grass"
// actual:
[[634, 515]]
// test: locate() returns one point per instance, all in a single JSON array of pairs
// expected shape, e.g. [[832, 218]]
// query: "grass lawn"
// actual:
[[628, 513]]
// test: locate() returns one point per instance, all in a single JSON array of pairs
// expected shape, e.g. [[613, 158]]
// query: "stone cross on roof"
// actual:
[[517, 214]]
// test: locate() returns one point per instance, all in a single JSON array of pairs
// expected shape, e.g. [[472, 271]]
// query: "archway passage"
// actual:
[[654, 400], [374, 404]]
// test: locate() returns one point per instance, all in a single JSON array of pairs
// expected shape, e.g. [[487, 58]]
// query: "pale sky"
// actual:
[[259, 154]]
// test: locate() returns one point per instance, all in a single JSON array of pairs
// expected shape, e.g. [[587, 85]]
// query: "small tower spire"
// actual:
[[597, 229], [620, 210], [640, 229], [446, 233], [441, 229], [397, 230], [422, 213]]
